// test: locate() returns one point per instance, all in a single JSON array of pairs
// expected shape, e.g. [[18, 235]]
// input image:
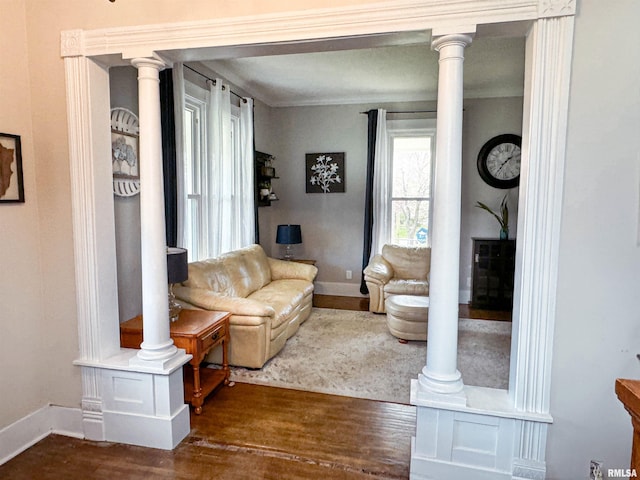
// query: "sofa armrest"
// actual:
[[378, 270], [212, 301], [281, 269]]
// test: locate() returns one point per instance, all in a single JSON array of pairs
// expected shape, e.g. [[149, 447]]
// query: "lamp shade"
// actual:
[[289, 234], [177, 268]]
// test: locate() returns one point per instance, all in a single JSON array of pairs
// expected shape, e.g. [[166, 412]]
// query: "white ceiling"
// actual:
[[390, 69]]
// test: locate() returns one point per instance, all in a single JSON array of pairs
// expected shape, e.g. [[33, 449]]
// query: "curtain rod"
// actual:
[[409, 111], [214, 82]]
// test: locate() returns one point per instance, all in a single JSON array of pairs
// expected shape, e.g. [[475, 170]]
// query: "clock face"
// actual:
[[499, 161]]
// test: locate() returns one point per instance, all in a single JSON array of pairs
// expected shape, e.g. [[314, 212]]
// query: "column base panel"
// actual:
[[423, 468], [481, 440], [153, 432]]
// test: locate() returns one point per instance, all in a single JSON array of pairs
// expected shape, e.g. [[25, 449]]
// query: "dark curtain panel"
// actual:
[[368, 202], [169, 156]]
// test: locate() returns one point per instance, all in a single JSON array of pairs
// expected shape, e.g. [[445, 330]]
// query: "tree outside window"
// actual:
[[411, 190]]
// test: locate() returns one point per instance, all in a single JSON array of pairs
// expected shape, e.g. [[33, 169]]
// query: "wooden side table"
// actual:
[[198, 332], [628, 392], [303, 260]]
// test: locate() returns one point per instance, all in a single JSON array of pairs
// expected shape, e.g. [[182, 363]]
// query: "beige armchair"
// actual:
[[397, 271]]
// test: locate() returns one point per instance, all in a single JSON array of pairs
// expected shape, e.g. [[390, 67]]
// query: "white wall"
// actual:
[[598, 321], [21, 288]]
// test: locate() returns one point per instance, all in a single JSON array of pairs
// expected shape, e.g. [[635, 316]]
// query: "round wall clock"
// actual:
[[499, 161]]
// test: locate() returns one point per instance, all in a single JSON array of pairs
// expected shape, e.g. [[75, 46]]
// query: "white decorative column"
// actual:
[[129, 396], [143, 400], [500, 434], [440, 375], [157, 344]]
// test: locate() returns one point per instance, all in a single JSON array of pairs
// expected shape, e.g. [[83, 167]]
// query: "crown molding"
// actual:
[[388, 16]]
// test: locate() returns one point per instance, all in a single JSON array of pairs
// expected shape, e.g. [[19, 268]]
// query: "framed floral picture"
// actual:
[[11, 182], [325, 172], [124, 155]]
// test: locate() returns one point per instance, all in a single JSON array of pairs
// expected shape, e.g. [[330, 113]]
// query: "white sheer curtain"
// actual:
[[217, 175], [382, 176], [245, 205], [214, 142]]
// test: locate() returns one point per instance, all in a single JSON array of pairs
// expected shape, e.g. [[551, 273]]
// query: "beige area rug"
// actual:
[[352, 353]]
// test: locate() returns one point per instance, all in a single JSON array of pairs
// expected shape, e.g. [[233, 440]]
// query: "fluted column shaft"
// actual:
[[157, 343], [441, 375]]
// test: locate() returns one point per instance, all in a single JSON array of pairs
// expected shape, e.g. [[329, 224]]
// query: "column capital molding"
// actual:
[[460, 39], [152, 62]]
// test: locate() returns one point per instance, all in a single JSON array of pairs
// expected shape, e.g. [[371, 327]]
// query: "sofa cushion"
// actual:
[[408, 262], [234, 274], [407, 287], [284, 296]]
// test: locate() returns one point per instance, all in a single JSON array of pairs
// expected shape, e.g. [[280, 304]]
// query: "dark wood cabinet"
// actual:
[[493, 270]]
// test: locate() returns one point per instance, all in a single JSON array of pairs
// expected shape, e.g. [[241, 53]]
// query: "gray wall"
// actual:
[[123, 84], [333, 224], [597, 317], [483, 120]]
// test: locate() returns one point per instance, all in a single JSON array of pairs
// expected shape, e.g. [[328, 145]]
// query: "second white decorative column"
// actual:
[[157, 344], [440, 375]]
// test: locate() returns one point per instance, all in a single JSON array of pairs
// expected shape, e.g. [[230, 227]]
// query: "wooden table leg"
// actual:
[[196, 401], [225, 361]]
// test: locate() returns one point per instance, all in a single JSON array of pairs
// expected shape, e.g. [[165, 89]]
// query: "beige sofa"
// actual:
[[268, 299], [397, 271]]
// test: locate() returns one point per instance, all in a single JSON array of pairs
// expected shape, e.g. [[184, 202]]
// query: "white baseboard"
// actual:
[[29, 430], [464, 296], [342, 289]]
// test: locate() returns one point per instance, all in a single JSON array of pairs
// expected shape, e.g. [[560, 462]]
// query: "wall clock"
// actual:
[[499, 161]]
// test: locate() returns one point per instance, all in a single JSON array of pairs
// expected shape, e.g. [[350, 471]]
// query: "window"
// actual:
[[218, 173], [194, 154], [411, 154]]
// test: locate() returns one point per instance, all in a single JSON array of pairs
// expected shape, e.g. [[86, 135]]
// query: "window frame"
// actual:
[[196, 103], [405, 128]]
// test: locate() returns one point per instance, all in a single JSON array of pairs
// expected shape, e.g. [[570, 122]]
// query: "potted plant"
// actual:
[[503, 218]]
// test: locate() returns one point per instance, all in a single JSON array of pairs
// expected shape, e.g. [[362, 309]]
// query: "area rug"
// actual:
[[352, 353]]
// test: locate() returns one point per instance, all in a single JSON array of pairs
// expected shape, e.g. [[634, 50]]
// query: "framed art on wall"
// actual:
[[125, 152], [11, 182], [325, 172]]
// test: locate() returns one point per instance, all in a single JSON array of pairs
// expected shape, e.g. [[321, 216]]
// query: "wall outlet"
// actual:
[[468, 282], [349, 274], [595, 470]]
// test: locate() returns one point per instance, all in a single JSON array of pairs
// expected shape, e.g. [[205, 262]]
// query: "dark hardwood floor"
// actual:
[[247, 432], [253, 432], [362, 304]]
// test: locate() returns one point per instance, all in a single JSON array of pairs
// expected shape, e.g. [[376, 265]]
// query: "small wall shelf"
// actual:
[[265, 173]]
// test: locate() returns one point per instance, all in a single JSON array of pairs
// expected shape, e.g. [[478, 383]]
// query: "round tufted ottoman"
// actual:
[[407, 316]]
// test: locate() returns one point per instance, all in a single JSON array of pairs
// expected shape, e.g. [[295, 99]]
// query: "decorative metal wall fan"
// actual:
[[125, 152]]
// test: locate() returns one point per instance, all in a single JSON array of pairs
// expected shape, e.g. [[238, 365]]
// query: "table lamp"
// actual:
[[177, 272], [288, 235]]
